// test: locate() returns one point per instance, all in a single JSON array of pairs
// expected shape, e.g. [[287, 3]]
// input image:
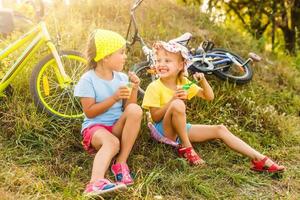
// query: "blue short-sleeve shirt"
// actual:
[[90, 85]]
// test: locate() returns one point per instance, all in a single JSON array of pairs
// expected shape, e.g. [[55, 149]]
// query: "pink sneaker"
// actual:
[[122, 173], [101, 187]]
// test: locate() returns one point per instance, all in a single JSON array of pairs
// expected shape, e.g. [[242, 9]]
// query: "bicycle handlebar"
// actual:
[[136, 36], [39, 13], [136, 4]]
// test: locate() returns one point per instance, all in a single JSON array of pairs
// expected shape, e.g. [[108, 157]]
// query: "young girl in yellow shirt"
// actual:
[[165, 98]]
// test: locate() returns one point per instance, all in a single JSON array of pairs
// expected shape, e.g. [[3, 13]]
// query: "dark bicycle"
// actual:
[[205, 58]]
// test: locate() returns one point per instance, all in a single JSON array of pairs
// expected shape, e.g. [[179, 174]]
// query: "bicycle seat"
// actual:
[[6, 21], [183, 39]]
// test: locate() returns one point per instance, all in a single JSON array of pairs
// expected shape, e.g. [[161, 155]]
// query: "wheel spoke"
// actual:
[[232, 70], [60, 99]]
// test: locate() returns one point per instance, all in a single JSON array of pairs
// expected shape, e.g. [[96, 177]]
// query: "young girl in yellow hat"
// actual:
[[112, 117]]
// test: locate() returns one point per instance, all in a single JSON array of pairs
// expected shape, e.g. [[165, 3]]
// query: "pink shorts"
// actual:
[[88, 133]]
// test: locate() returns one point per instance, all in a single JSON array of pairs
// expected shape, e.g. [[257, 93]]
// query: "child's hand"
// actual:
[[180, 93], [122, 93], [199, 77], [134, 79]]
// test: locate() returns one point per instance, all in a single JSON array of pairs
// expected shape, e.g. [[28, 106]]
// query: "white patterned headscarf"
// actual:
[[173, 47]]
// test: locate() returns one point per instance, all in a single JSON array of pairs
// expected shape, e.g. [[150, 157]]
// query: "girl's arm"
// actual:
[[133, 96], [135, 81], [92, 109], [157, 114], [206, 91]]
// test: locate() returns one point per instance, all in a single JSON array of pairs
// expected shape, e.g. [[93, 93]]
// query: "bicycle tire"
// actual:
[[7, 92], [61, 103], [224, 73], [141, 70]]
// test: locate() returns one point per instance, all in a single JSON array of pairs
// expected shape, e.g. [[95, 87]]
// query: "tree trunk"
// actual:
[[298, 37], [273, 23], [297, 21], [290, 40], [288, 27]]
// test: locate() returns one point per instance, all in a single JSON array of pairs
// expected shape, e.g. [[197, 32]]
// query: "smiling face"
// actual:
[[168, 64]]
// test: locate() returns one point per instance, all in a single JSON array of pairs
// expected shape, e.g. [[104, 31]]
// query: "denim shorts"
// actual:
[[160, 129]]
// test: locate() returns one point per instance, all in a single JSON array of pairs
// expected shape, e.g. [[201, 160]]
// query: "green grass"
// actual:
[[42, 158]]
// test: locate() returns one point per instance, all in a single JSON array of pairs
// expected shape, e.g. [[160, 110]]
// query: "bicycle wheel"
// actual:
[[51, 96], [232, 72], [142, 71], [8, 91]]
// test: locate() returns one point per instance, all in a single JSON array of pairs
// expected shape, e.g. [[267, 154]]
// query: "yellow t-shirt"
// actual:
[[157, 94]]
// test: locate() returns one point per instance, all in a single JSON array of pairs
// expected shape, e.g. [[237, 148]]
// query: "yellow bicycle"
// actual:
[[53, 78]]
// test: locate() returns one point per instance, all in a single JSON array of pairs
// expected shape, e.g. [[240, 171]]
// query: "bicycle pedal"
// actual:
[[208, 45], [254, 57]]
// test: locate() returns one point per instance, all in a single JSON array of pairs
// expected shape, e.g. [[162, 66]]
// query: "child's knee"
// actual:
[[134, 110], [113, 143], [221, 131], [178, 105], [116, 147]]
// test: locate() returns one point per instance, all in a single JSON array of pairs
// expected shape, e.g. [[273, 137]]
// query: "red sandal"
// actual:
[[260, 166], [190, 155]]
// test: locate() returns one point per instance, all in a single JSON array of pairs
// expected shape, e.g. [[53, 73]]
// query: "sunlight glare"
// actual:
[[204, 7]]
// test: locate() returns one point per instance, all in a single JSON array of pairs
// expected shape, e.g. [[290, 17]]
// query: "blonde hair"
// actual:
[[91, 52], [180, 75]]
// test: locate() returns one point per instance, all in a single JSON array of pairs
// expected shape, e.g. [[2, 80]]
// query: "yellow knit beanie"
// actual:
[[107, 42]]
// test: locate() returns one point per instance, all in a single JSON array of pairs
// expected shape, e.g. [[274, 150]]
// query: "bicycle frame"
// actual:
[[136, 36], [211, 64], [38, 36], [149, 54], [222, 59]]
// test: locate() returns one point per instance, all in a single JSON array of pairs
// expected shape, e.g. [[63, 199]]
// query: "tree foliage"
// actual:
[[256, 16]]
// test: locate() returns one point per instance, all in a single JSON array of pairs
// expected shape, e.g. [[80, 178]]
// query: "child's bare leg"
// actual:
[[127, 129], [174, 122], [108, 146], [200, 133]]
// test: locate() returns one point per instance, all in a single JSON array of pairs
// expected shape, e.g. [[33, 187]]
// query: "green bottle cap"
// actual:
[[186, 86]]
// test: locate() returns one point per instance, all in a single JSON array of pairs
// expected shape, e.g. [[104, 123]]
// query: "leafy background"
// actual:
[[42, 158]]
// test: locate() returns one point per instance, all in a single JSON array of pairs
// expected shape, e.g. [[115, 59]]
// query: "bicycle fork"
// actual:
[[252, 57], [63, 79]]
